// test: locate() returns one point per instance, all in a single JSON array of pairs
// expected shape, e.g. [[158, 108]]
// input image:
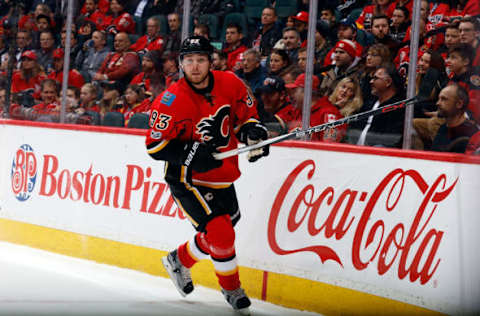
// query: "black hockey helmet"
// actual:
[[196, 44]]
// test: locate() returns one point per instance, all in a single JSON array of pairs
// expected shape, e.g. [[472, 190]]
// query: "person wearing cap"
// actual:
[[275, 111], [301, 24], [75, 78], [121, 65], [346, 64], [31, 74], [152, 40], [151, 70], [346, 30], [252, 71], [321, 112], [268, 33]]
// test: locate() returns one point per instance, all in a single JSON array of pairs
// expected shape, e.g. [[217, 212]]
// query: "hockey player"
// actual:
[[204, 112]]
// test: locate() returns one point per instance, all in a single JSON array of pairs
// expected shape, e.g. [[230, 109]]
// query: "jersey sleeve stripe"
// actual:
[[159, 146]]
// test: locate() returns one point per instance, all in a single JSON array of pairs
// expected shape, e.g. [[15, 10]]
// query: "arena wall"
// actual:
[[331, 228]]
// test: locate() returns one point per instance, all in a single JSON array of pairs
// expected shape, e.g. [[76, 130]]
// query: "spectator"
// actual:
[[75, 49], [92, 56], [268, 33], [377, 55], [470, 34], [110, 97], [47, 45], [219, 60], [145, 9], [150, 41], [72, 99], [431, 78], [290, 73], [24, 41], [131, 102], [85, 31], [274, 110], [88, 98], [93, 14], [327, 16], [322, 43], [291, 42], [399, 24], [459, 61], [74, 77], [119, 20], [301, 24], [384, 130], [321, 112], [173, 38], [201, 30], [347, 30], [120, 65], [379, 7], [42, 23], [453, 136], [381, 32], [28, 79], [170, 69], [347, 96], [346, 64], [252, 71], [234, 46], [152, 71], [279, 60], [49, 98], [3, 94], [452, 39]]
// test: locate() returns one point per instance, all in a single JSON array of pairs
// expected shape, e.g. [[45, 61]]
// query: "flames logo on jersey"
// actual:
[[214, 130]]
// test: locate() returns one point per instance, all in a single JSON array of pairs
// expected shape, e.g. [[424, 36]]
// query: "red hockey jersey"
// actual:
[[181, 114]]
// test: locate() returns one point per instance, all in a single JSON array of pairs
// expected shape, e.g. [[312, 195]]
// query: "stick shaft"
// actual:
[[316, 129]]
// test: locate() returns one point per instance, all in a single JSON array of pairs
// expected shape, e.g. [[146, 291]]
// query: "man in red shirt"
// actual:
[[150, 41], [205, 111], [120, 65], [74, 77], [234, 47]]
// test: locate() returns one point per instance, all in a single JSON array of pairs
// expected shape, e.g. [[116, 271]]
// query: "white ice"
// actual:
[[36, 282]]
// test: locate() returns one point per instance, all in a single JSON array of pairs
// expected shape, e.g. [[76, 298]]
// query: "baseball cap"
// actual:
[[272, 84], [348, 22], [300, 82], [301, 16], [58, 53], [30, 54]]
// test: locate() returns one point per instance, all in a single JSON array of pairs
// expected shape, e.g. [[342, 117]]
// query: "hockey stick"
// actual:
[[316, 129]]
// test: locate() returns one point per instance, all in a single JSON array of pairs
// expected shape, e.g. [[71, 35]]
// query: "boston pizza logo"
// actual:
[[24, 172]]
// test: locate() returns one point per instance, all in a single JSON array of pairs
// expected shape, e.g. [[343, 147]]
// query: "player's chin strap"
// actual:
[[315, 129]]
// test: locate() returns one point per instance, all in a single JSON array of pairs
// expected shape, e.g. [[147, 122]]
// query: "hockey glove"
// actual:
[[253, 133], [198, 156]]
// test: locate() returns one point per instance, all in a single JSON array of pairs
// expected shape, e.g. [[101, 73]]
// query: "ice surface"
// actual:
[[36, 282]]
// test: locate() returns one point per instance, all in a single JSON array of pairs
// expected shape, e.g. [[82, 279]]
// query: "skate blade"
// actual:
[[170, 272], [244, 311]]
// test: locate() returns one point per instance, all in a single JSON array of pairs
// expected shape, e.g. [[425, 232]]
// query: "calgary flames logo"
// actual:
[[215, 129]]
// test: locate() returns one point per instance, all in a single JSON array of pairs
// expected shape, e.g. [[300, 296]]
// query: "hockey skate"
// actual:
[[238, 299], [179, 274]]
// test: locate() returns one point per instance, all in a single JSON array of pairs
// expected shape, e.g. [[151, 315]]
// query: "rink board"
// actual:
[[335, 229]]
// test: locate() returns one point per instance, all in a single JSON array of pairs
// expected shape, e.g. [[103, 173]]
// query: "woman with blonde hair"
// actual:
[[347, 96]]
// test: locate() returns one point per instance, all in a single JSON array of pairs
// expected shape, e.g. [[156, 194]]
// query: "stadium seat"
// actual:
[[138, 120], [238, 18], [253, 8], [139, 27], [285, 8], [114, 119], [212, 22], [163, 23], [95, 117]]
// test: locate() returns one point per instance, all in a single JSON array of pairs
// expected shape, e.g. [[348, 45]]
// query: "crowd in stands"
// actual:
[[125, 53]]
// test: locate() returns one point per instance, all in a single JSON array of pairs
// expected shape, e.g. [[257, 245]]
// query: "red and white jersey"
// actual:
[[181, 114], [123, 23], [144, 43], [75, 78], [323, 111]]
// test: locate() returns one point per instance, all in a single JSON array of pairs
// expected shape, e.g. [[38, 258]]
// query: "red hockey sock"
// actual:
[[193, 251], [221, 240]]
